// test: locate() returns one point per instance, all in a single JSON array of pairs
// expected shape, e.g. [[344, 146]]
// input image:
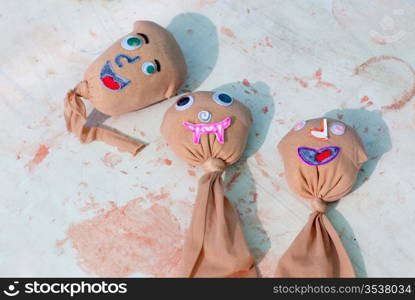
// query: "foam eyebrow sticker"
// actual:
[[337, 128], [300, 125]]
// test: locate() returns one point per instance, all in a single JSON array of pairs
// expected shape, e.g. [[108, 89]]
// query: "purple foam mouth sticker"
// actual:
[[112, 80], [216, 128], [318, 157]]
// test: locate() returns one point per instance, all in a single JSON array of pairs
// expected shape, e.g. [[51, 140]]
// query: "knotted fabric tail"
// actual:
[[317, 251], [75, 117], [215, 245]]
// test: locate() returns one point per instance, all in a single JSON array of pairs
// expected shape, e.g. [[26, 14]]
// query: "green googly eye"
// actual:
[[131, 43], [148, 68]]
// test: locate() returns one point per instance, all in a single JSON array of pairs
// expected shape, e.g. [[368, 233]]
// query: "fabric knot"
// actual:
[[319, 205], [214, 165], [82, 89]]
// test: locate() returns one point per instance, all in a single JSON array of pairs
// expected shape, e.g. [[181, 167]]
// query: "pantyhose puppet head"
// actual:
[[205, 125], [322, 158], [140, 69], [211, 129]]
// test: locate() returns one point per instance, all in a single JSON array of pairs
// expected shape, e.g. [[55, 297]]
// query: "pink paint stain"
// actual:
[[40, 155], [164, 161], [128, 239], [276, 186], [260, 160], [268, 43], [317, 74], [265, 174], [191, 172], [227, 31], [232, 180], [364, 99], [246, 83], [167, 162], [60, 243], [91, 205], [202, 3], [156, 197], [406, 96], [378, 40], [254, 197], [316, 78], [111, 159], [303, 83], [264, 43]]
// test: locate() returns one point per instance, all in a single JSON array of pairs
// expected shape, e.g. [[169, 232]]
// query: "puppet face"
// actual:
[[141, 68], [205, 125], [322, 158]]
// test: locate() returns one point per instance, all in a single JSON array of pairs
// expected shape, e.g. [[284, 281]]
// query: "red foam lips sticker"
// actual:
[[323, 155], [110, 83]]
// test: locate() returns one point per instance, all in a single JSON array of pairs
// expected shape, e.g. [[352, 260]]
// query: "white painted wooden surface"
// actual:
[[85, 210]]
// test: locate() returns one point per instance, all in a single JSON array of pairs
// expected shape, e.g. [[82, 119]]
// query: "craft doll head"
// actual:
[[211, 129], [143, 67], [140, 69], [204, 125], [322, 158]]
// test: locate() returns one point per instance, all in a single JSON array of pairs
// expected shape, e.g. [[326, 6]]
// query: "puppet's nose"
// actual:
[[204, 116], [120, 57], [320, 133]]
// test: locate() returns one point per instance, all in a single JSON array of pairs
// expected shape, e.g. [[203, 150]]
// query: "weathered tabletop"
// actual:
[[69, 209]]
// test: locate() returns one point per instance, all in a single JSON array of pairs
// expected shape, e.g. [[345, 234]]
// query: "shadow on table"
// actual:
[[240, 185], [198, 39], [374, 134]]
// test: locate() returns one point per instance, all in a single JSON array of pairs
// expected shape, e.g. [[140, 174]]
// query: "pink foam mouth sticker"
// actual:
[[216, 128]]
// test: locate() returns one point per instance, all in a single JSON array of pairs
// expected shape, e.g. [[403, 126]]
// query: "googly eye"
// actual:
[[337, 128], [184, 102], [222, 99], [300, 125], [148, 68], [131, 43]]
